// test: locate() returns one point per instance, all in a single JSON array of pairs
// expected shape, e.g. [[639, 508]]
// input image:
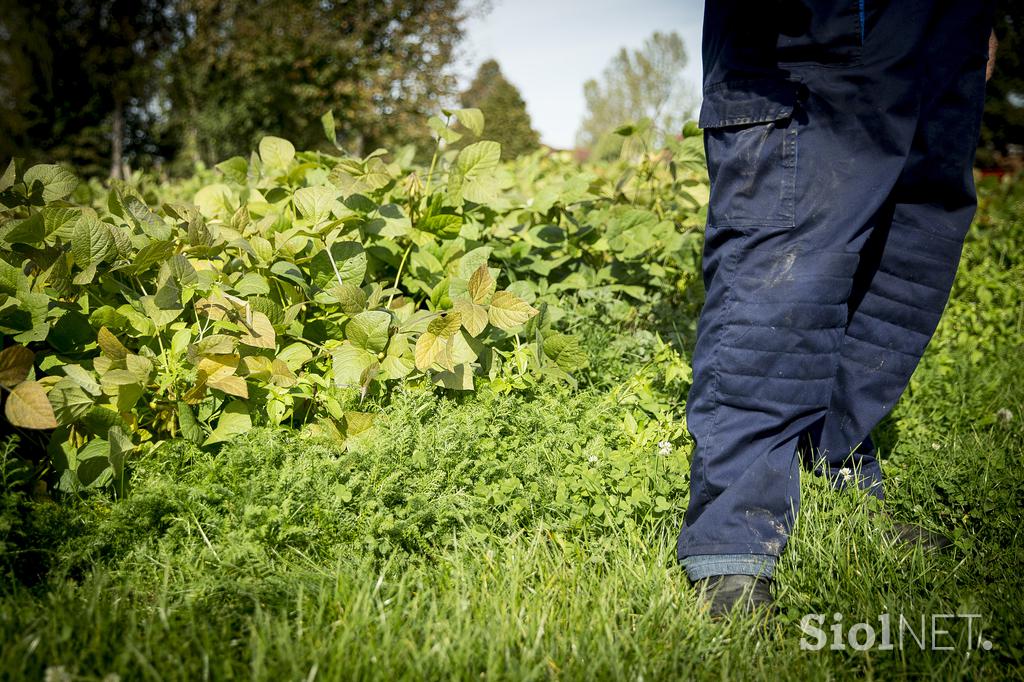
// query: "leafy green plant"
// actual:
[[295, 287]]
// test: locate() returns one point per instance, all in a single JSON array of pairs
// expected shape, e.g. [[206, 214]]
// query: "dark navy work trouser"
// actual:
[[840, 138]]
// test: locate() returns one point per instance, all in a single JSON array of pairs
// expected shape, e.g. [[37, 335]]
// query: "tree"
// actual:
[[638, 84], [254, 67], [82, 76], [1003, 120], [507, 120]]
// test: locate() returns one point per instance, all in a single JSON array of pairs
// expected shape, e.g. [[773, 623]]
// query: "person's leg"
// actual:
[[905, 278], [774, 318], [793, 202]]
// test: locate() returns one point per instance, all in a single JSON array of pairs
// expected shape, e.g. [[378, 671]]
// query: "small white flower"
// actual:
[[664, 448], [592, 459], [847, 474], [1004, 415], [936, 446]]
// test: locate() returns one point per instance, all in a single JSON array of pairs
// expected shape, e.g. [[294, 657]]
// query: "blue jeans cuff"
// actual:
[[702, 566]]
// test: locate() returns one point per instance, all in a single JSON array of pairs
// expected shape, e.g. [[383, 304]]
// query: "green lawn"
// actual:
[[530, 534]]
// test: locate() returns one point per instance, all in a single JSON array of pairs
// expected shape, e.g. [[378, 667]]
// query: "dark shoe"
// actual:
[[916, 536], [909, 534], [745, 594]]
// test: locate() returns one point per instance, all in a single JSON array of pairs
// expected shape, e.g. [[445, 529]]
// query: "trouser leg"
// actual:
[[909, 265], [767, 346], [782, 301]]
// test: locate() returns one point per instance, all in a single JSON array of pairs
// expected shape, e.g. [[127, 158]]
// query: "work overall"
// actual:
[[840, 138]]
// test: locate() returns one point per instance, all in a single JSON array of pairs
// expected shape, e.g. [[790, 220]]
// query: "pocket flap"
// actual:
[[733, 103]]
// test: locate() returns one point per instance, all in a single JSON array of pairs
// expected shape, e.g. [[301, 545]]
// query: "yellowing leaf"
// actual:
[[357, 422], [231, 385], [508, 311], [28, 407], [474, 317], [15, 364], [445, 325], [110, 345], [481, 284], [429, 347], [260, 332]]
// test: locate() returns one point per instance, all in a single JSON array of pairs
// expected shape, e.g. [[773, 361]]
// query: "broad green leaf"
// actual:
[[120, 446], [327, 121], [82, 377], [234, 169], [191, 429], [507, 311], [31, 230], [473, 119], [351, 298], [276, 152], [123, 386], [151, 254], [52, 181], [182, 270], [399, 361], [91, 242], [443, 225], [218, 371], [150, 223], [252, 284], [12, 279], [168, 295], [349, 264], [164, 307], [93, 468], [233, 422], [458, 379], [295, 356], [566, 351], [473, 176], [369, 330], [288, 271], [7, 179], [316, 203], [349, 364], [471, 261], [140, 366], [215, 201], [461, 350], [15, 364], [216, 344], [442, 131], [29, 408]]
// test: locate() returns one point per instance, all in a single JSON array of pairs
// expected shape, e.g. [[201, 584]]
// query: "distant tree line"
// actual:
[[104, 84]]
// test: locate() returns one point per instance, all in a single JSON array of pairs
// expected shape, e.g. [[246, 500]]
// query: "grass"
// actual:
[[530, 536]]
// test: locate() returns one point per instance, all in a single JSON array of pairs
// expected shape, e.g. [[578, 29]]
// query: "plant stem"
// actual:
[[401, 266]]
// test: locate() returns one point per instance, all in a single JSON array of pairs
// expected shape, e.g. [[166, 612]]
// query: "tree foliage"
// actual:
[[89, 81], [1003, 121], [76, 70], [638, 84], [508, 122], [274, 66]]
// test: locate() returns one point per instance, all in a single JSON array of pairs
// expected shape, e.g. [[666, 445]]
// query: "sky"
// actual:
[[549, 48]]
